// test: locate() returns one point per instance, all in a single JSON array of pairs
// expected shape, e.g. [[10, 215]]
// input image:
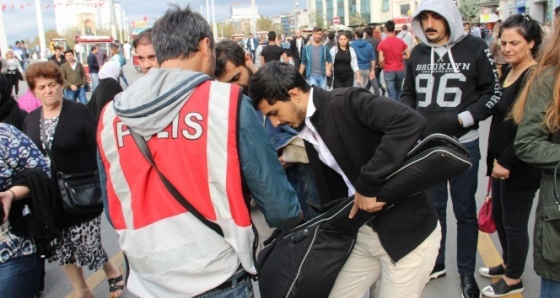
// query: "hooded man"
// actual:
[[452, 81], [206, 139], [366, 57]]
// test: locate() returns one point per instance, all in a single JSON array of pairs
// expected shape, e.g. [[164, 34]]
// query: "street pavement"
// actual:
[[57, 285]]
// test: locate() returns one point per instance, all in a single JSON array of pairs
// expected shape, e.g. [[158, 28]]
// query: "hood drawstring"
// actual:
[[451, 60]]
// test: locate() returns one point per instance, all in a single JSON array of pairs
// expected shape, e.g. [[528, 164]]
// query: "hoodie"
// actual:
[[457, 80], [365, 53], [156, 99]]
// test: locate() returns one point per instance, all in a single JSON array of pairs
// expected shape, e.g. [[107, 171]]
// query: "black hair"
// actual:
[[369, 31], [143, 38], [317, 29], [331, 35], [178, 33], [93, 48], [390, 25], [273, 81], [228, 50], [556, 10], [528, 28], [347, 51], [272, 36], [359, 33], [68, 51]]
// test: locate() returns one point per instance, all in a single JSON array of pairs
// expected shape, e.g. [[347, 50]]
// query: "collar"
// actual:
[[311, 109]]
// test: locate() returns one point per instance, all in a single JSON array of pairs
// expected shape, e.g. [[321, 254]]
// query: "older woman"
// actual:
[[13, 71], [514, 182], [20, 265], [108, 87], [67, 130]]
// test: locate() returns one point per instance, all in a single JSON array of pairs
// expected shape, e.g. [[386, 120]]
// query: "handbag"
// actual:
[[80, 192], [486, 222], [305, 261]]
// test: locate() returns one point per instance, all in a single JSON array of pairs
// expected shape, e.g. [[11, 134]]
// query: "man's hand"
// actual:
[[284, 164], [365, 203], [328, 71], [372, 75], [73, 87]]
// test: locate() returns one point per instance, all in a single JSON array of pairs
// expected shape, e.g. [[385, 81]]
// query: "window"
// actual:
[[404, 10], [385, 5]]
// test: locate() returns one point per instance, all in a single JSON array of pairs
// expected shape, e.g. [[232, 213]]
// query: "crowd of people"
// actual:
[[312, 124]]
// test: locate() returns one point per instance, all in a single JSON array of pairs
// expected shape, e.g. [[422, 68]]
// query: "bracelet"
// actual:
[[13, 193]]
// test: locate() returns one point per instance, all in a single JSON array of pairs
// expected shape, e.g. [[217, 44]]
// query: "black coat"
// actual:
[[103, 93], [74, 147], [369, 137]]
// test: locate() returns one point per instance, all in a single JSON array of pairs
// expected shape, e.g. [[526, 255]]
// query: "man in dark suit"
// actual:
[[252, 45], [296, 47]]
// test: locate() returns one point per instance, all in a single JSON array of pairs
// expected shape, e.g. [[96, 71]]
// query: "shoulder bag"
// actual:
[[80, 192], [305, 261]]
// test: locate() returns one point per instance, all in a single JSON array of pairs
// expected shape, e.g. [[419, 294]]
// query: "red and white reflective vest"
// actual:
[[171, 253]]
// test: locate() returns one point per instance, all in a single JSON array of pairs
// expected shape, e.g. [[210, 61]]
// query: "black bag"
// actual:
[[305, 261], [81, 193]]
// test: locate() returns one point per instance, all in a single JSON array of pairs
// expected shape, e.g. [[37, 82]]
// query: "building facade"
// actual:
[[92, 16]]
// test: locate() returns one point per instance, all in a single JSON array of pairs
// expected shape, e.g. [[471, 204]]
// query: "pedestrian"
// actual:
[[117, 56], [20, 264], [93, 66], [64, 130], [252, 46], [406, 36], [58, 56], [514, 183], [316, 60], [296, 48], [365, 54], [399, 247], [273, 51], [77, 51], [392, 54], [452, 82], [126, 50], [11, 68], [108, 87], [538, 142], [233, 66], [144, 49], [345, 66], [75, 79], [216, 154], [374, 37]]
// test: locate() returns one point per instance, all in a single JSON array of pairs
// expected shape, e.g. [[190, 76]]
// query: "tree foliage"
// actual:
[[469, 9], [226, 30], [357, 19], [265, 24]]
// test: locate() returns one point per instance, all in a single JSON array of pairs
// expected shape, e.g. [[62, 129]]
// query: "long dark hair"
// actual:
[[347, 51], [9, 110]]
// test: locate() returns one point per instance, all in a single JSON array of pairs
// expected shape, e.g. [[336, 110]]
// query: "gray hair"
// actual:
[[178, 33]]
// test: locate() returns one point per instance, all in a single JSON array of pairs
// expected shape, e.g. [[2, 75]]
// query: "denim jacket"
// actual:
[[307, 57]]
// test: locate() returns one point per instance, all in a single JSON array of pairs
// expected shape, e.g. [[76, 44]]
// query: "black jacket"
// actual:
[[294, 53], [104, 93], [369, 137], [523, 176], [74, 147], [92, 63]]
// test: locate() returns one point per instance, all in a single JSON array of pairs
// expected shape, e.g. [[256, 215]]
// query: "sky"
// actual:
[[20, 23]]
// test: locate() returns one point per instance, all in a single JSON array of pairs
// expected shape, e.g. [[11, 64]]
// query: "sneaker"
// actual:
[[500, 289], [439, 271], [469, 287], [496, 271]]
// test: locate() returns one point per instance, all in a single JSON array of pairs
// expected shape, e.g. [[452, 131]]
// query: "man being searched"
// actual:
[[273, 51], [144, 49], [316, 60], [205, 138], [354, 141], [451, 80]]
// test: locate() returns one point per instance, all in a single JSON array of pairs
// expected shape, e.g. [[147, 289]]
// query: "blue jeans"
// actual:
[[79, 94], [463, 191], [94, 81], [320, 81], [394, 81], [243, 289], [550, 288], [19, 277]]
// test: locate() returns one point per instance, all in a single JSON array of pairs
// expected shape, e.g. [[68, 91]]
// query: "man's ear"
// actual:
[[294, 94]]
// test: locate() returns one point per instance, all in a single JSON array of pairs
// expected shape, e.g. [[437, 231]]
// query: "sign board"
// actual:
[[336, 20]]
